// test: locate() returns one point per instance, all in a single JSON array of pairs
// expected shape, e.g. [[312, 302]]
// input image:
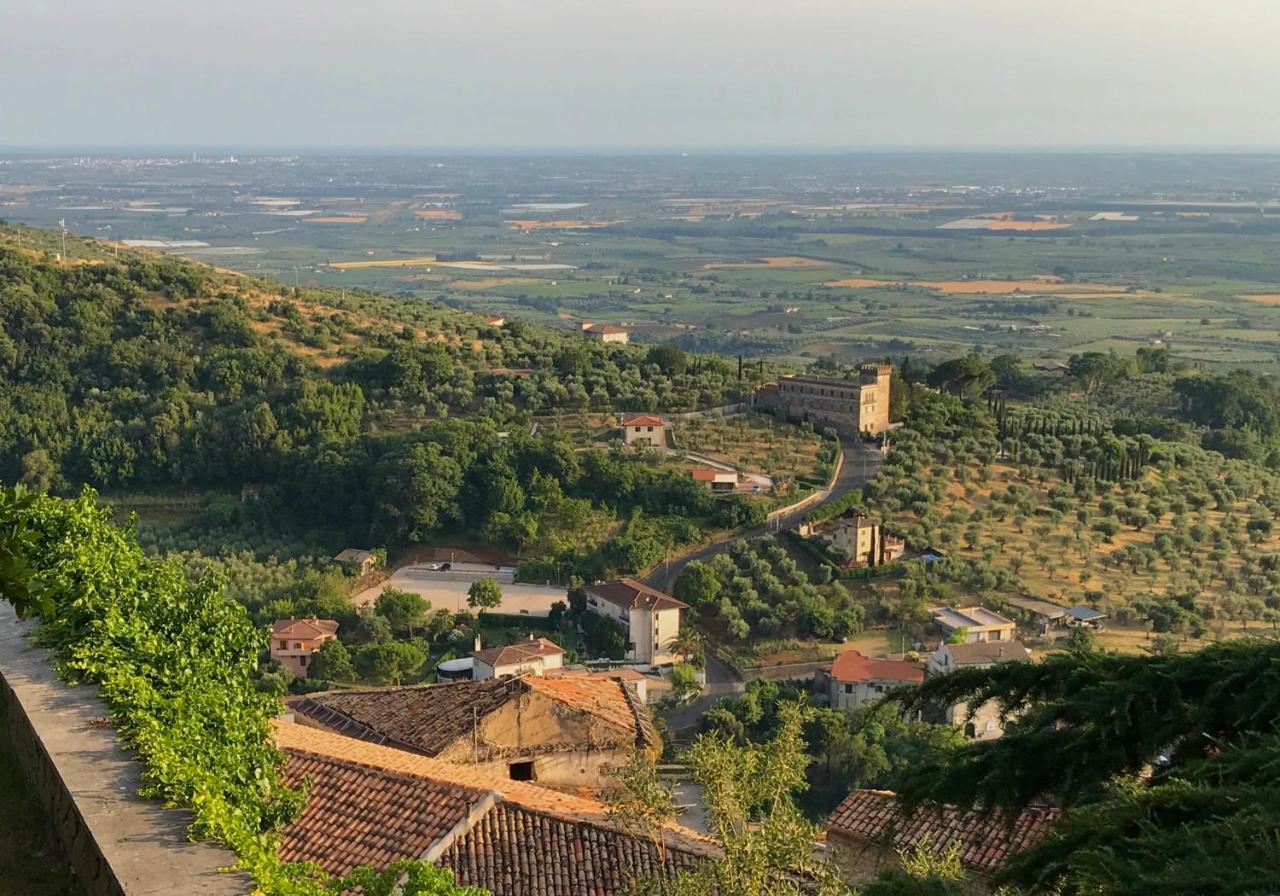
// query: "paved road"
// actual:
[[861, 461]]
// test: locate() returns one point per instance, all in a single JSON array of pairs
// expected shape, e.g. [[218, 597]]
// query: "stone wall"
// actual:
[[118, 843]]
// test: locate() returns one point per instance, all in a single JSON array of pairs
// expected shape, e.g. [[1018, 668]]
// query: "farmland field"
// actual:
[[840, 257]]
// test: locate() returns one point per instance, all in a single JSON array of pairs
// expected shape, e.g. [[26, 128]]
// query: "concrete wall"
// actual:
[[117, 843]]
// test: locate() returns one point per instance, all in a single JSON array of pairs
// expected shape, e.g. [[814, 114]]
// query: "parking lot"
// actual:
[[447, 589]]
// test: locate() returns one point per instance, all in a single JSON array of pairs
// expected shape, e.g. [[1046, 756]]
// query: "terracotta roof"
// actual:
[[408, 812], [984, 652], [853, 666], [608, 699], [706, 474], [643, 420], [986, 839], [495, 319], [630, 594], [512, 850], [429, 718], [303, 628], [604, 328], [373, 804], [519, 652]]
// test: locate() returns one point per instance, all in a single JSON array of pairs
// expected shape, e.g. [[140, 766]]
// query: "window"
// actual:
[[302, 661], [848, 688], [970, 731], [520, 771], [297, 645], [650, 429], [284, 645]]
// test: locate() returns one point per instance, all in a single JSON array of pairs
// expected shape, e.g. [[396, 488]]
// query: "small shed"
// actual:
[[1081, 615], [357, 560]]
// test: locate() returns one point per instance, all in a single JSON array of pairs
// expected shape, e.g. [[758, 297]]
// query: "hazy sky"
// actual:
[[628, 73]]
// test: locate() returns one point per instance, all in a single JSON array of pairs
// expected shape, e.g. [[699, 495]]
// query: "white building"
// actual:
[[535, 656], [977, 623], [985, 722], [650, 618], [644, 429], [855, 679]]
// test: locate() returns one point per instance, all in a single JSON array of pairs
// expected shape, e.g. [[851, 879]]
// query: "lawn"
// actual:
[[30, 863]]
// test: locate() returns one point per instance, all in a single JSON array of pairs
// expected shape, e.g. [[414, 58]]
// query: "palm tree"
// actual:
[[687, 643]]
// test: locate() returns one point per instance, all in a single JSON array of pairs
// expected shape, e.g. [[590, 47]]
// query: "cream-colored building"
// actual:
[[650, 618], [644, 429], [985, 722], [535, 656], [977, 623], [855, 680], [864, 541], [294, 640], [605, 333], [848, 405]]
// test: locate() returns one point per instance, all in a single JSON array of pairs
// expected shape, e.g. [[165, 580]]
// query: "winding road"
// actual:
[[861, 461]]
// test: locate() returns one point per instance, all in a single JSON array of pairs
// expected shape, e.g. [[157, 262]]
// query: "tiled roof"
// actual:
[[423, 718], [514, 851], [630, 594], [428, 718], [379, 816], [706, 474], [606, 698], [519, 652], [303, 628], [985, 652], [643, 420], [373, 804], [853, 666], [986, 839], [604, 328]]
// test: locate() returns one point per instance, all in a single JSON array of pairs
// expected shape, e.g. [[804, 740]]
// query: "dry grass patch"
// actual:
[[416, 262], [769, 261]]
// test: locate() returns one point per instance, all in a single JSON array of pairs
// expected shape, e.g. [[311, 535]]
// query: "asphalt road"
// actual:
[[861, 461]]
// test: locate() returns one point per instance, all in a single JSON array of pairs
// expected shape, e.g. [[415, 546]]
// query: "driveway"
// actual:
[[448, 590]]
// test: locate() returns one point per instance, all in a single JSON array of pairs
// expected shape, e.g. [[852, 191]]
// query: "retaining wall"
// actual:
[[118, 844]]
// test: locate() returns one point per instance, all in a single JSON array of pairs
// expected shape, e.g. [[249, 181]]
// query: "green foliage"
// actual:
[[332, 662], [749, 793], [1081, 729], [484, 594], [403, 610], [389, 662], [175, 662], [404, 878], [684, 682]]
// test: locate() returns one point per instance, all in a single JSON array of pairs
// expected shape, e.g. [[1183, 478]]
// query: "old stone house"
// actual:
[[985, 722], [563, 732]]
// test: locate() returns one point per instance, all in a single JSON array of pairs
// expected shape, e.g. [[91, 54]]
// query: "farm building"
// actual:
[[605, 333], [715, 480]]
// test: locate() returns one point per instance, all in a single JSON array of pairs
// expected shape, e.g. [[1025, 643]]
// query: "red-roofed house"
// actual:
[[856, 679], [868, 830], [715, 480], [650, 618], [294, 640], [534, 656], [605, 332], [644, 429]]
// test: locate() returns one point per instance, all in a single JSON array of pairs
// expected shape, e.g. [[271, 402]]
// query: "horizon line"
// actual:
[[252, 149]]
